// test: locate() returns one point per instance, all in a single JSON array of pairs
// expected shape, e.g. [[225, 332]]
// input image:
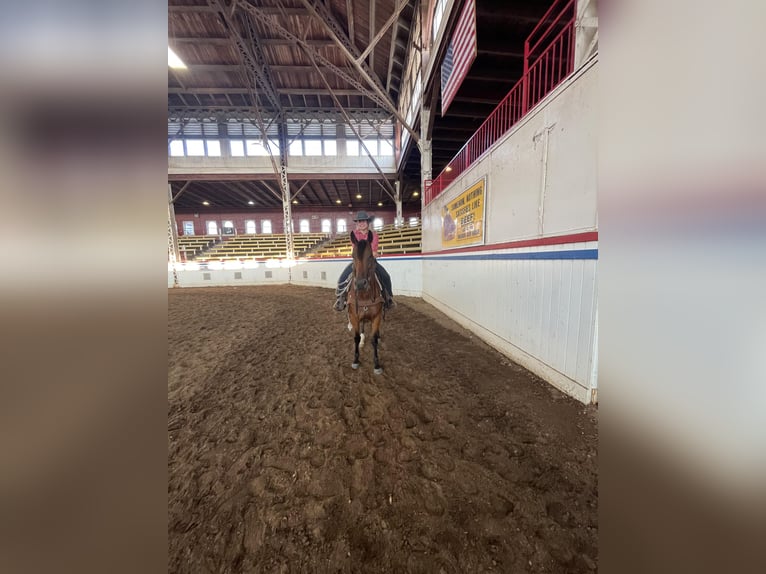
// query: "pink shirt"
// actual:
[[363, 235]]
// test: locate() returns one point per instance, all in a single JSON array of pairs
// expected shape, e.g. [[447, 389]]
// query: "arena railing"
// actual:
[[548, 60]]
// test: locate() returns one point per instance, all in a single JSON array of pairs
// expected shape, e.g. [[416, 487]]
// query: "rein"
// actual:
[[374, 297]]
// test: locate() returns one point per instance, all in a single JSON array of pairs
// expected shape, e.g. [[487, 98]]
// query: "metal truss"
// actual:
[[253, 60], [222, 113], [376, 95]]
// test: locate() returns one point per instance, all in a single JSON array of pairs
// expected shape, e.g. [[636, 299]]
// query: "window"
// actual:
[[255, 148], [228, 227], [237, 148], [352, 147], [386, 148], [213, 148], [438, 14], [313, 147], [330, 147], [371, 145], [296, 148], [195, 148], [377, 223], [326, 226], [266, 226], [188, 228], [250, 226], [341, 226], [304, 226], [177, 148], [212, 228]]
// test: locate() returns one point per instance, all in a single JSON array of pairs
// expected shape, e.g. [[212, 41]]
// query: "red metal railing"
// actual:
[[548, 59]]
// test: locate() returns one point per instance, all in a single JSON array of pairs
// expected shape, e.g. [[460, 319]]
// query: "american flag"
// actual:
[[461, 53]]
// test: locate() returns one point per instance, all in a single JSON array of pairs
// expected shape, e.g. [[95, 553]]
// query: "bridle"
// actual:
[[367, 282]]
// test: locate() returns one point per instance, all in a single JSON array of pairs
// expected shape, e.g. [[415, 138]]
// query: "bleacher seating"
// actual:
[[262, 246], [391, 240], [192, 245]]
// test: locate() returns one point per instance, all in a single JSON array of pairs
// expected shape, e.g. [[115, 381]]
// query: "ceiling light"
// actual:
[[380, 204], [174, 61], [359, 196], [448, 168], [205, 203], [415, 194], [251, 202], [295, 201], [337, 201]]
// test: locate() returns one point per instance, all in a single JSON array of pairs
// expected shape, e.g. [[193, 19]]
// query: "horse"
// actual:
[[365, 298]]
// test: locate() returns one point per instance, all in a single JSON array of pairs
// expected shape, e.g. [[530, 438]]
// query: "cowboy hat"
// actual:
[[362, 216]]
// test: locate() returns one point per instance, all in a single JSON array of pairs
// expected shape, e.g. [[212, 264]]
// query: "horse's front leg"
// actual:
[[375, 336], [357, 338]]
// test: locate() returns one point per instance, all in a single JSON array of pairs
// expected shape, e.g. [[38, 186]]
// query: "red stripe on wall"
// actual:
[[556, 240]]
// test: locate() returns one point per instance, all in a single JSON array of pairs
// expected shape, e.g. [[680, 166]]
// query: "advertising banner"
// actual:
[[463, 218]]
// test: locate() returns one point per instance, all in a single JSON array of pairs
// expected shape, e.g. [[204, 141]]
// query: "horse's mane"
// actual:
[[361, 247]]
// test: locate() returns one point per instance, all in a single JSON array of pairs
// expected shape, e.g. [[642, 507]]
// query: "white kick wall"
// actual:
[[530, 290], [406, 274]]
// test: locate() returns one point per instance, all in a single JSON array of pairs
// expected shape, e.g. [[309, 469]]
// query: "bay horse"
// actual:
[[365, 298]]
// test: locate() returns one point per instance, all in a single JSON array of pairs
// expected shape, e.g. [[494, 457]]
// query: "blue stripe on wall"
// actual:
[[571, 254]]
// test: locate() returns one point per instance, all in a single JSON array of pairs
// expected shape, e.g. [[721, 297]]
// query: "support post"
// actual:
[[286, 199], [425, 145], [586, 31], [399, 221], [173, 254]]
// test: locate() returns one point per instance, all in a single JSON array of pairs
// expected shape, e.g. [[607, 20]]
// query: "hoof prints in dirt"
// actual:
[[450, 462]]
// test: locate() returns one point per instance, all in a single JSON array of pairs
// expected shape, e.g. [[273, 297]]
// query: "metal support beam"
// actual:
[[586, 31], [278, 11], [372, 31], [272, 191], [252, 57], [272, 24], [350, 16], [334, 29], [394, 31], [286, 201], [394, 16], [173, 199], [426, 146], [328, 21], [305, 183], [399, 221], [350, 123]]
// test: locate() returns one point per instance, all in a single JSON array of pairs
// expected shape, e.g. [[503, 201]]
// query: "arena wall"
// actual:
[[530, 288], [406, 274]]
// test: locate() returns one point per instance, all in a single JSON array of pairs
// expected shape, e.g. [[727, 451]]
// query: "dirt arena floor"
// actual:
[[281, 458]]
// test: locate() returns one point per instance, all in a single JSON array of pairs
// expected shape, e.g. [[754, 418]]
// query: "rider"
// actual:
[[362, 227]]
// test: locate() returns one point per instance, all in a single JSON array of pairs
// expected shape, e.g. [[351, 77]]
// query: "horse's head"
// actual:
[[364, 262]]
